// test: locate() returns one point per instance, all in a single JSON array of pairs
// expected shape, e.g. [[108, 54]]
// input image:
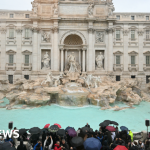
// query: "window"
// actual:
[[132, 34], [117, 60], [11, 15], [147, 35], [11, 59], [27, 33], [147, 60], [132, 17], [118, 35], [26, 77], [118, 17], [26, 59], [133, 77], [11, 33], [27, 15], [147, 17], [147, 79], [117, 78], [10, 78], [132, 60]]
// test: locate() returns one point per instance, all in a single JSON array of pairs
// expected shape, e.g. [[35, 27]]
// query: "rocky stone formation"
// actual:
[[32, 93]]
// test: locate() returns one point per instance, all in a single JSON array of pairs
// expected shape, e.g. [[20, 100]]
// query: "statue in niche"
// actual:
[[90, 9], [99, 37], [99, 61], [46, 62], [111, 10], [46, 37], [72, 65], [55, 9], [34, 7]]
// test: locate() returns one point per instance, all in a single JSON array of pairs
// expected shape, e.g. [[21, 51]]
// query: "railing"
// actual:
[[146, 67], [11, 39], [133, 67], [27, 39], [11, 66], [26, 66], [131, 39], [118, 67]]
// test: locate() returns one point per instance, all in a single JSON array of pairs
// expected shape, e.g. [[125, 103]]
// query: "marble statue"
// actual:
[[90, 9], [46, 61], [34, 7], [97, 80], [111, 10], [48, 79], [55, 9], [99, 61], [56, 79], [46, 37], [99, 37], [72, 63]]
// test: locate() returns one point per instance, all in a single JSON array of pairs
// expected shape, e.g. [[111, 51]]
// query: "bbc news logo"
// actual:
[[10, 134]]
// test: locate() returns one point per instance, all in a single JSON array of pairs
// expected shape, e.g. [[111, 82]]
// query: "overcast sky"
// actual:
[[120, 5]]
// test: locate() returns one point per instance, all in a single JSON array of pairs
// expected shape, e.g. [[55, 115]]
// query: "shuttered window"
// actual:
[[26, 59], [132, 60], [11, 33], [27, 33], [132, 34], [147, 60], [11, 59], [118, 34], [118, 60], [147, 34]]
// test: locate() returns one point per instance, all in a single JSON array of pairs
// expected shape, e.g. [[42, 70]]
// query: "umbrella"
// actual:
[[104, 124], [114, 122], [59, 126], [22, 131], [53, 128], [120, 147], [77, 141], [44, 129], [123, 128], [68, 128], [92, 144], [110, 128], [61, 132], [47, 125], [72, 133], [35, 130], [86, 129], [7, 146]]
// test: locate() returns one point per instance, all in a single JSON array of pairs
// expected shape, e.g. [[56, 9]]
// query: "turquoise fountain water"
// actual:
[[134, 119]]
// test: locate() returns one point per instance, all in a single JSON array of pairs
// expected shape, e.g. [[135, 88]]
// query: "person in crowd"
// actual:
[[87, 125], [131, 134], [21, 146], [47, 145], [43, 137], [1, 140], [57, 146], [38, 146], [141, 145], [134, 146], [119, 141], [64, 145]]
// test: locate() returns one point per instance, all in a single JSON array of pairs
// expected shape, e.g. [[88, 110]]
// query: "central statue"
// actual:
[[46, 61], [72, 63]]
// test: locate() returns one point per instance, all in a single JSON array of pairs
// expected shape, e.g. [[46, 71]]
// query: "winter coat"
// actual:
[[50, 146], [57, 147]]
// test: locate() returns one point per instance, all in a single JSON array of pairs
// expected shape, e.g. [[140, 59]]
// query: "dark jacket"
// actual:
[[66, 146], [21, 146]]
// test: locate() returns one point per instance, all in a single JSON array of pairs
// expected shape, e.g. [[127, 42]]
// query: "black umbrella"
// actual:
[[114, 122], [104, 124], [77, 141], [86, 129], [53, 128], [7, 146], [61, 132], [44, 129], [22, 131], [35, 130]]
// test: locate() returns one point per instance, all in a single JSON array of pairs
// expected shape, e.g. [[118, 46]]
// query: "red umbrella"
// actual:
[[59, 126], [120, 147], [47, 125], [110, 128]]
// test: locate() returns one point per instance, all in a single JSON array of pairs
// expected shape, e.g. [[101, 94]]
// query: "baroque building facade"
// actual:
[[102, 41]]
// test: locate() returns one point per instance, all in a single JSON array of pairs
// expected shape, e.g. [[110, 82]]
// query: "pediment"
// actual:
[[118, 27], [133, 27], [27, 26], [11, 52], [118, 53], [11, 26], [133, 53], [147, 28], [147, 53], [27, 52]]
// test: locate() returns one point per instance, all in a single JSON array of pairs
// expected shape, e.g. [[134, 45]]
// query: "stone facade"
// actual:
[[34, 42]]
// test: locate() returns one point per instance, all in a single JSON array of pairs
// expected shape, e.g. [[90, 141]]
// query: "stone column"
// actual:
[[90, 51], [35, 49], [3, 49], [110, 50], [79, 56], [140, 58], [19, 54], [62, 60], [55, 50], [83, 60], [66, 57]]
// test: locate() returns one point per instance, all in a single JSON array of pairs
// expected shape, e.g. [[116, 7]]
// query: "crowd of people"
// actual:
[[82, 139]]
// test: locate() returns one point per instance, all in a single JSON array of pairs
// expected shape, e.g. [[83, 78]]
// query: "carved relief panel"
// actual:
[[99, 37]]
